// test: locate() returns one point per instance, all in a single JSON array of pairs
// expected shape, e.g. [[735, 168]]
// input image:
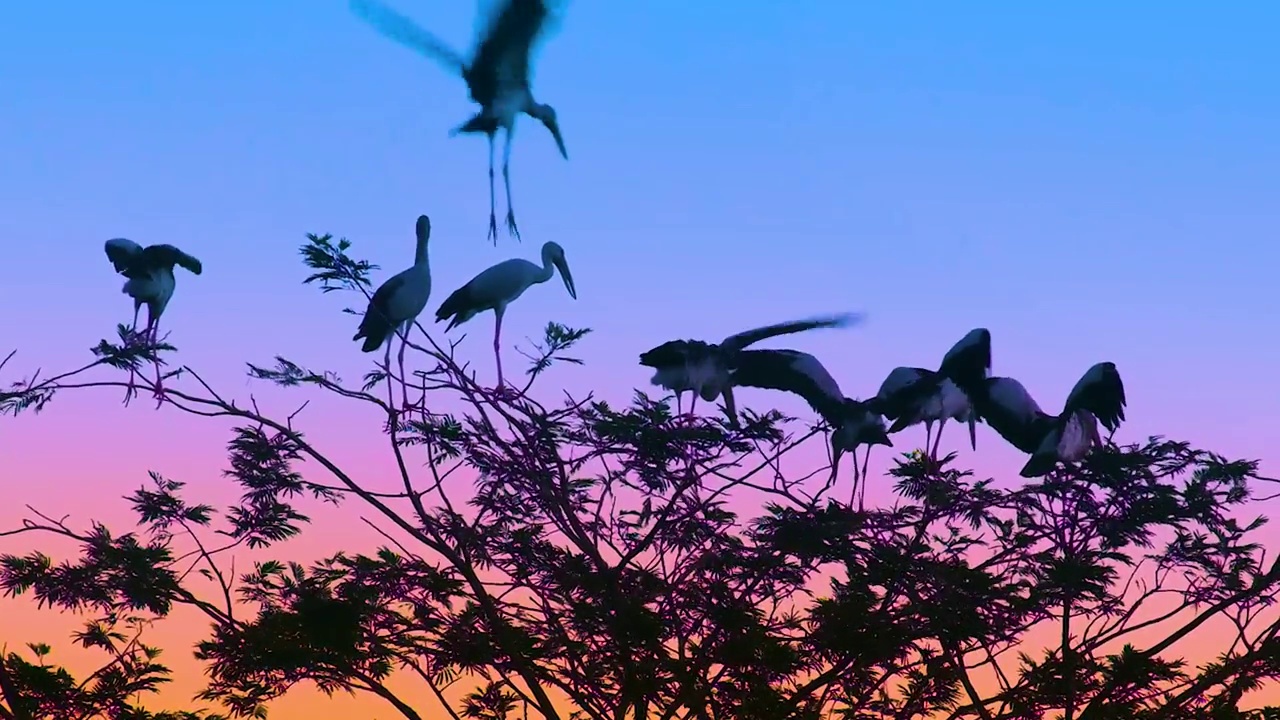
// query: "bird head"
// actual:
[[547, 116], [554, 254], [423, 231]]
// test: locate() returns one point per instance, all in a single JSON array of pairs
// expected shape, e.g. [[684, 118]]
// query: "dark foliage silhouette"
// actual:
[[581, 560]]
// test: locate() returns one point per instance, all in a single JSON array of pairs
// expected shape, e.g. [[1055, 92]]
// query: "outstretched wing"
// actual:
[[737, 342], [1100, 391], [408, 33], [502, 55], [123, 253], [791, 371]]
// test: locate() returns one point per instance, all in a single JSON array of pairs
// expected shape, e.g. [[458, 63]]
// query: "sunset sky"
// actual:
[[1090, 181]]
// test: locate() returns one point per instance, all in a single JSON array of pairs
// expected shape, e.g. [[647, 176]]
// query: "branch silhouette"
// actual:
[[579, 560]]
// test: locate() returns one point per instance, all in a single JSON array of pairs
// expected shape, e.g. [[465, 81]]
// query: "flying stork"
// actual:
[[1098, 397], [151, 282], [705, 368], [396, 304], [497, 77], [499, 286], [853, 423], [914, 395]]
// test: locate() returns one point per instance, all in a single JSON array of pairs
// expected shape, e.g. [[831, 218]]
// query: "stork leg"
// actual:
[[404, 380], [501, 390], [153, 324], [928, 434], [867, 460], [506, 181], [493, 213], [937, 440]]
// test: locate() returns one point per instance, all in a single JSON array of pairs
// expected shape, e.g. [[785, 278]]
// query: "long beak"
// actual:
[[567, 276], [554, 126]]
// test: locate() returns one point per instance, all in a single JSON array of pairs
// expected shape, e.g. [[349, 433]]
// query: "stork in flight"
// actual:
[[150, 282], [498, 77], [1098, 397], [396, 304], [912, 395], [497, 287], [706, 368], [853, 423]]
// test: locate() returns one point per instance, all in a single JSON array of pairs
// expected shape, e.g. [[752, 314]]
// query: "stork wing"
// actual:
[[168, 255], [122, 253], [1100, 391], [737, 342], [1009, 409], [502, 55], [794, 372], [408, 33], [672, 352]]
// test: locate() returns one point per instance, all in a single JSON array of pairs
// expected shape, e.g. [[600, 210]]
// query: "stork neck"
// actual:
[[548, 269], [420, 254]]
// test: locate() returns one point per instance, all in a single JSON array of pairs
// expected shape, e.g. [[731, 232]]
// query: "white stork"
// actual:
[[706, 368], [151, 282], [1009, 409], [499, 286], [396, 304], [915, 395], [853, 423], [497, 77]]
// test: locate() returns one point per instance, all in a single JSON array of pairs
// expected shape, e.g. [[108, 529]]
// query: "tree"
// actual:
[[612, 563]]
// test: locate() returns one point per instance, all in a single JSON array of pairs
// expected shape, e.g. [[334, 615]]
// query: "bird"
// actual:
[[497, 77], [150, 281], [1098, 397], [396, 304], [706, 368], [911, 395], [497, 287], [852, 422]]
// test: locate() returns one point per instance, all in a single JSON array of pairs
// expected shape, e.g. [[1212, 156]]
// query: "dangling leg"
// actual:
[[937, 440], [493, 213], [928, 435], [506, 180]]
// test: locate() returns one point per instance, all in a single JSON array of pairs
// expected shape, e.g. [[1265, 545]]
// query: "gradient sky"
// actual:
[[1091, 181]]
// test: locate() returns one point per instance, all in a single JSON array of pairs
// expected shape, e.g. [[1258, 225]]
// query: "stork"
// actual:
[[497, 77], [151, 282], [499, 286], [705, 368], [1098, 397], [396, 304], [853, 423], [910, 396]]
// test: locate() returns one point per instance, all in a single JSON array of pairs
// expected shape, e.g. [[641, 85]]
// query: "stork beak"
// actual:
[[554, 126], [563, 266]]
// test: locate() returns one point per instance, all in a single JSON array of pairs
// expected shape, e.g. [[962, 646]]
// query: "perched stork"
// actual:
[[910, 396], [396, 304], [706, 368], [499, 286], [497, 77], [1009, 409], [914, 395], [853, 423], [151, 282]]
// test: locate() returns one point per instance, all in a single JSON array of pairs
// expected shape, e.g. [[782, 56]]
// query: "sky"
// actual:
[[1090, 181]]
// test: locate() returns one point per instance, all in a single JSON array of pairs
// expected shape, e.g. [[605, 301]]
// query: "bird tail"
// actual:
[[1039, 464], [374, 329]]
